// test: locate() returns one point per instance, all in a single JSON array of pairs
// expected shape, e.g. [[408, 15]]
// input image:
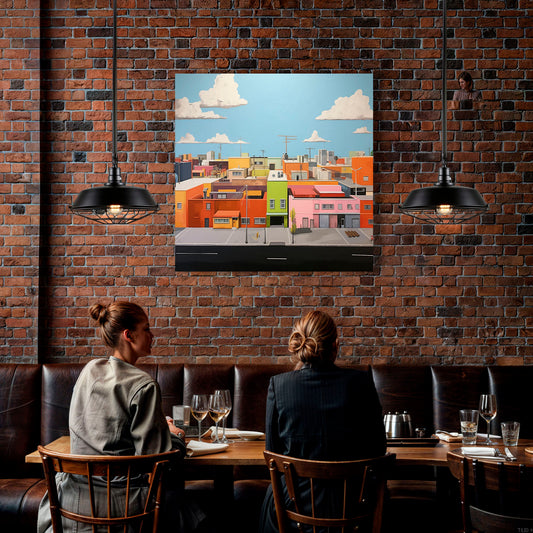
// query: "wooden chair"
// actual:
[[495, 496], [328, 494], [105, 478]]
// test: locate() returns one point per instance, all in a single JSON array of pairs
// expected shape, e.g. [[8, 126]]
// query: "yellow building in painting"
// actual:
[[239, 162]]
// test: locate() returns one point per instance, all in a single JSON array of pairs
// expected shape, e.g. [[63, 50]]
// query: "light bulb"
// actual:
[[444, 209], [114, 210]]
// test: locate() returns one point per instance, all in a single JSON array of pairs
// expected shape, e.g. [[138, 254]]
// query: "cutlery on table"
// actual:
[[498, 455], [509, 454]]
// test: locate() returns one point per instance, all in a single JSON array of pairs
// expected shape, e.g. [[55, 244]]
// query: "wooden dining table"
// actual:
[[242, 458], [250, 453]]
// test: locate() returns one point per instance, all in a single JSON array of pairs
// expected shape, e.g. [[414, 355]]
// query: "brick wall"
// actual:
[[440, 295], [19, 180]]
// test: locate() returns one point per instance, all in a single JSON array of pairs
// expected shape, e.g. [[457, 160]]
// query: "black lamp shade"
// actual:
[[444, 204], [114, 204]]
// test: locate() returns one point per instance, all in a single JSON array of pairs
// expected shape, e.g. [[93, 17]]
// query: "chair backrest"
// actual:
[[495, 495], [123, 491], [329, 494]]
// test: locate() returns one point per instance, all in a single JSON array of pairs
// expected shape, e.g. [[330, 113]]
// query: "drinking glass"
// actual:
[[469, 419], [226, 394], [216, 410], [488, 410], [199, 409], [510, 432]]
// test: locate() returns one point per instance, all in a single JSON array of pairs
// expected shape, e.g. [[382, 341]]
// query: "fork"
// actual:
[[497, 453], [507, 455]]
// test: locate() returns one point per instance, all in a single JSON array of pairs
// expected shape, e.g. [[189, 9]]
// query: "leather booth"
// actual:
[[34, 405]]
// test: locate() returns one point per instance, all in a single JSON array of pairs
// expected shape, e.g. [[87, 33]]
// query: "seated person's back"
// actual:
[[320, 411]]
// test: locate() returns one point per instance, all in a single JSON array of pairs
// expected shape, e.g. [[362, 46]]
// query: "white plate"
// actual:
[[250, 435]]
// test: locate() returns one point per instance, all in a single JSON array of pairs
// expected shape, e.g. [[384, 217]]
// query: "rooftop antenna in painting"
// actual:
[[288, 139]]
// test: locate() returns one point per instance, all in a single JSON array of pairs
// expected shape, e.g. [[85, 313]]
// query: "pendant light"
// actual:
[[114, 203], [445, 203]]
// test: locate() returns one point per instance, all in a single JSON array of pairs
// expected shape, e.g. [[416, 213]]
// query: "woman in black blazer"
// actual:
[[319, 410]]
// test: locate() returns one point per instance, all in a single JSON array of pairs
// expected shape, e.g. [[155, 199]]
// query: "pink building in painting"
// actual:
[[322, 206]]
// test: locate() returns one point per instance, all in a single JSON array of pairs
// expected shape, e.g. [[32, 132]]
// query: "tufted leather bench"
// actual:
[[35, 399]]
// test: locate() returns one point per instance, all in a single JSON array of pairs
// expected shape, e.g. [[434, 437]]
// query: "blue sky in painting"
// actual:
[[252, 113]]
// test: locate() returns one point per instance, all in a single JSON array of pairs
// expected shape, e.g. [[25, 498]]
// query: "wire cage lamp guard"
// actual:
[[114, 203], [444, 203]]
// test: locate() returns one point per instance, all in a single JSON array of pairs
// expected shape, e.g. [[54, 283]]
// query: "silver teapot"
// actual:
[[398, 425]]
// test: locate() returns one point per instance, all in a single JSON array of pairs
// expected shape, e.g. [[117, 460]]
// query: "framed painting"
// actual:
[[274, 172]]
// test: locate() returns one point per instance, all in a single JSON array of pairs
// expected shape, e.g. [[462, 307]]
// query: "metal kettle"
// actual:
[[398, 425]]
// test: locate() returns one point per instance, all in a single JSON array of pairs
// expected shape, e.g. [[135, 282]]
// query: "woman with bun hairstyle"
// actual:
[[320, 411], [116, 407], [116, 410]]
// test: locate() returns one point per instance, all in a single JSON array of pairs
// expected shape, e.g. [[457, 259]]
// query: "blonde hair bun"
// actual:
[[314, 338]]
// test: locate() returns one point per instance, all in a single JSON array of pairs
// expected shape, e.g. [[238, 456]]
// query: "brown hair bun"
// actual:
[[115, 318]]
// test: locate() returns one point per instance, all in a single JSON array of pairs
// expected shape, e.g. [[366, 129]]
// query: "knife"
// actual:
[[494, 457], [509, 454]]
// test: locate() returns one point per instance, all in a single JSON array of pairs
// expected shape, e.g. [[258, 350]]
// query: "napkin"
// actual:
[[477, 451], [195, 448], [231, 433], [450, 436]]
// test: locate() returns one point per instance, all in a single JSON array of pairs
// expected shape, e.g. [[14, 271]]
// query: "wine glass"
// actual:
[[226, 394], [199, 409], [216, 410], [487, 409]]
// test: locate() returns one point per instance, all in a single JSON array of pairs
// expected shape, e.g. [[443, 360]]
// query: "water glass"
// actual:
[[469, 419], [510, 432], [181, 415]]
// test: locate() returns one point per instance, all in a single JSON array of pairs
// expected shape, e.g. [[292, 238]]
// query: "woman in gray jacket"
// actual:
[[116, 410]]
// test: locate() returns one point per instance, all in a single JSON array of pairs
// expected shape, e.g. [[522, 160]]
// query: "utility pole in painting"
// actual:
[[246, 209]]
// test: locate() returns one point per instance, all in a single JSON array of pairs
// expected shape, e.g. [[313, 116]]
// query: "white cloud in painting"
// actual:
[[224, 93], [188, 138], [192, 110], [364, 129], [222, 138], [354, 107], [315, 138]]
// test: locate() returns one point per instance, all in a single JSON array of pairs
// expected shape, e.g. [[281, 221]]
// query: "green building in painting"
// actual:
[[277, 205]]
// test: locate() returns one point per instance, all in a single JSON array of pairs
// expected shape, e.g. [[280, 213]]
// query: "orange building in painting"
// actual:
[[184, 194], [221, 204], [367, 212], [363, 171], [296, 170]]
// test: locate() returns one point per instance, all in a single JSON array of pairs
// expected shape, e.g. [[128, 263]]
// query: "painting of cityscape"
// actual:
[[274, 172]]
